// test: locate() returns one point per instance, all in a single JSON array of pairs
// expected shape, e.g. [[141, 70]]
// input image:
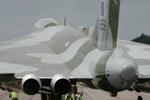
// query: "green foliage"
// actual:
[[142, 39]]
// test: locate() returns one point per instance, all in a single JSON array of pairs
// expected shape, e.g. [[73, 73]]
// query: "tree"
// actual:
[[142, 39]]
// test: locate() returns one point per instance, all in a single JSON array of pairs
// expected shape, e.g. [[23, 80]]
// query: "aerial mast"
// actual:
[[65, 21]]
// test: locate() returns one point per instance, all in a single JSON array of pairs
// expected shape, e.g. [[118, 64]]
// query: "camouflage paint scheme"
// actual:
[[77, 53]]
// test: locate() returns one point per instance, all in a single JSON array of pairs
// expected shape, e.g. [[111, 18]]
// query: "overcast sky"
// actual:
[[17, 17]]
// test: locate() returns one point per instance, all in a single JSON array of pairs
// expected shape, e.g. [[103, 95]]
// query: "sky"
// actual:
[[17, 17]]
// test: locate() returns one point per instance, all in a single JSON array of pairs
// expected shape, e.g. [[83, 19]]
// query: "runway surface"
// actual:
[[89, 94]]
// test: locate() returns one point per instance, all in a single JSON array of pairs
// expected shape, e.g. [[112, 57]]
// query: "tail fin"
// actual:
[[106, 29]]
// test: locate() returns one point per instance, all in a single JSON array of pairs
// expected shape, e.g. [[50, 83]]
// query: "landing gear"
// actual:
[[139, 98], [74, 90], [52, 96], [113, 94]]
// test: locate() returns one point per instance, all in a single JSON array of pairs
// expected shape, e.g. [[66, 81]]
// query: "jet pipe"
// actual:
[[30, 84], [60, 84]]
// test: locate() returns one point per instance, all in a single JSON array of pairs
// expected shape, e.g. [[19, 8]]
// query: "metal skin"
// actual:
[[60, 84], [121, 70], [115, 71], [30, 84], [56, 54], [43, 23]]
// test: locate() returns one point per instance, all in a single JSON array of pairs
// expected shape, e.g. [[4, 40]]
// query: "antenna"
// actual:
[[65, 21]]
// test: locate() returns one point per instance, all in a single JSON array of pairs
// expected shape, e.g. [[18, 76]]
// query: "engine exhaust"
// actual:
[[60, 84], [31, 84]]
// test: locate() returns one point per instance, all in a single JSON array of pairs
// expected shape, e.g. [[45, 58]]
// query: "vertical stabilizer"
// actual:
[[106, 29]]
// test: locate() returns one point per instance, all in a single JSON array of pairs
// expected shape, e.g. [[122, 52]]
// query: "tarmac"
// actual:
[[88, 94]]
